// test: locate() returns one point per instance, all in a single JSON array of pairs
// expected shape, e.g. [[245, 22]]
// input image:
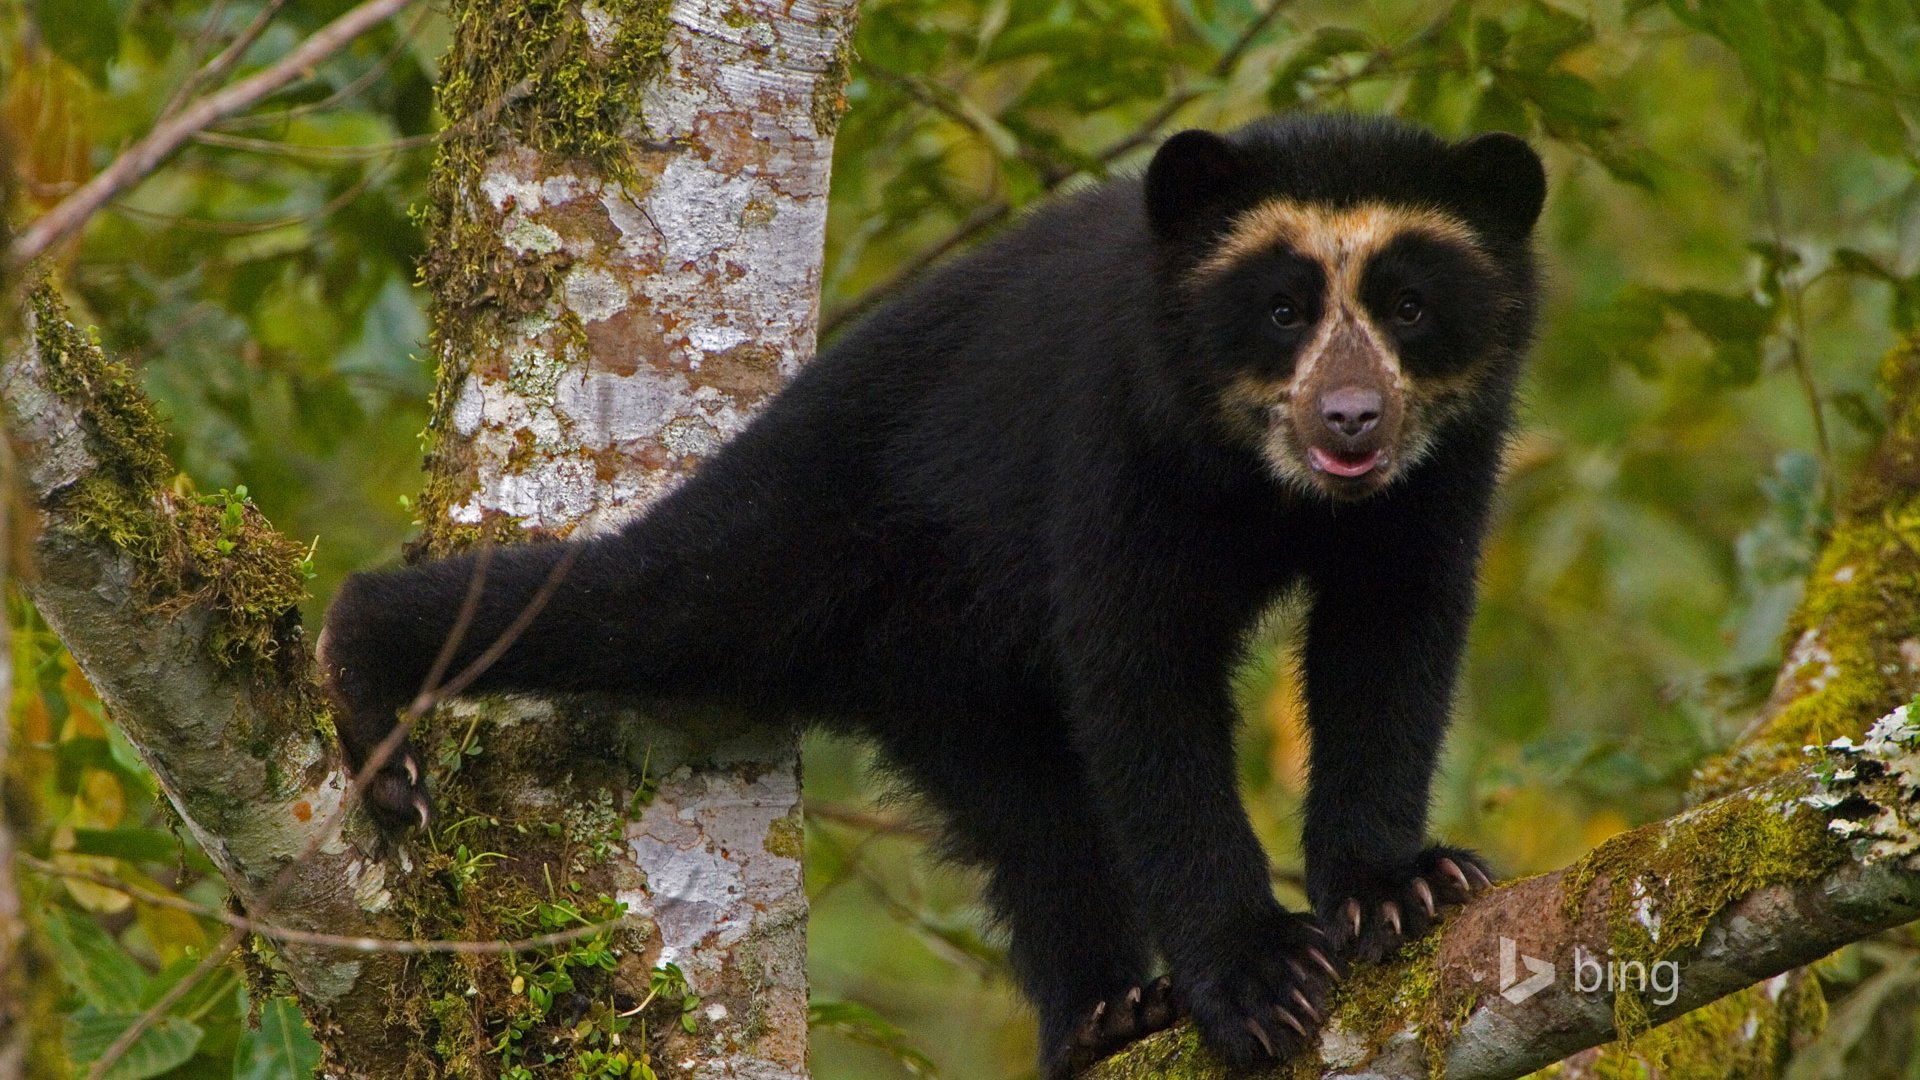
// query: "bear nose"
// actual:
[[1351, 410]]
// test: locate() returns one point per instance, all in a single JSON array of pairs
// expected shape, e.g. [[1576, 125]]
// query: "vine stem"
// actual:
[[1790, 295]]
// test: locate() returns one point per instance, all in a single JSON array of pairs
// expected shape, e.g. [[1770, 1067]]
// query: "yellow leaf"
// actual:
[[169, 931], [100, 803]]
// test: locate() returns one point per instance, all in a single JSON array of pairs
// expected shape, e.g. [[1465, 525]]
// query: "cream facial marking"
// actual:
[[1340, 239]]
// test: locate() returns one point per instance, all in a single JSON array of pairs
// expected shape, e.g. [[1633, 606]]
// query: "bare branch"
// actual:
[[216, 69], [146, 155]]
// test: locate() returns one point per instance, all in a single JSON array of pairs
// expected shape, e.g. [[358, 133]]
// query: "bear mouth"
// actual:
[[1342, 465]]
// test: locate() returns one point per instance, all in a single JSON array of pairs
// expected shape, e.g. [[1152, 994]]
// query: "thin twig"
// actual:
[[209, 26], [333, 153], [217, 68], [867, 820], [309, 937], [146, 155], [246, 228], [364, 80], [953, 106], [1221, 69], [1796, 320]]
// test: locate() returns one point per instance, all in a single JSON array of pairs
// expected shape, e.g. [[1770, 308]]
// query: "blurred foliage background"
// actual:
[[1733, 241]]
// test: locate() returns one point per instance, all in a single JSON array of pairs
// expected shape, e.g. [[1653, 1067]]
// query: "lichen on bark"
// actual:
[[1659, 889]]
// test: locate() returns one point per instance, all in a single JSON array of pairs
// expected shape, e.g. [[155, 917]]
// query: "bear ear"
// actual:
[[1501, 182], [1192, 172]]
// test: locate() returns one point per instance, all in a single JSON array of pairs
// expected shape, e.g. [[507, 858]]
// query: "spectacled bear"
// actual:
[[1015, 528]]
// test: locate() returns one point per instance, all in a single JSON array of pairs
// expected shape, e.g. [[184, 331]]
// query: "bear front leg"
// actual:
[[1383, 642], [1254, 977]]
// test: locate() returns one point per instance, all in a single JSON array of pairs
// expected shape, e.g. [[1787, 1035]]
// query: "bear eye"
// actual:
[[1285, 313], [1406, 307]]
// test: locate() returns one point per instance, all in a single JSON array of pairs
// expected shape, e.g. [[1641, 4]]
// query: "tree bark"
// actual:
[[1724, 891], [628, 239]]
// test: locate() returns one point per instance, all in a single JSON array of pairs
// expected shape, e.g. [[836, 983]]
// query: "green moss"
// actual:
[[830, 87], [785, 837], [1861, 601], [1375, 1001], [551, 1012], [1747, 1035], [122, 430], [1170, 1055], [218, 551], [528, 67], [1664, 883]]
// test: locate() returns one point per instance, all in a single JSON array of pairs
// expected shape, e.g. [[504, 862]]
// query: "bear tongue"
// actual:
[[1339, 466]]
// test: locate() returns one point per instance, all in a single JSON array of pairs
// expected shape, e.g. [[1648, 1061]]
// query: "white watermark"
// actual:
[[1592, 974]]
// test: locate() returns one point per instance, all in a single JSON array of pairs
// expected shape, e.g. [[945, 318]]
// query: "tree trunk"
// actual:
[[626, 264]]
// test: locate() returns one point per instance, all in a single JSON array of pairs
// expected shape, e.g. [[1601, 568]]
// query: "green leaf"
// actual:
[[161, 1048], [129, 843], [1734, 325], [1626, 330], [282, 1049], [1857, 411], [1499, 110], [1544, 34], [1323, 45], [84, 33], [94, 964], [1905, 314], [1489, 40], [1566, 100]]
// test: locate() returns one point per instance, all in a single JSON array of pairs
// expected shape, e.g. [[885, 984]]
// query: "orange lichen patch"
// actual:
[[629, 340], [749, 369], [728, 141], [303, 810]]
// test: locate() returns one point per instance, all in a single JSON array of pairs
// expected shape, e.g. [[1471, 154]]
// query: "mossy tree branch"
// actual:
[[182, 612], [1734, 892]]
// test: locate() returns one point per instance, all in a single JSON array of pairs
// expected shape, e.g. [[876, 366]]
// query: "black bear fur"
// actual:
[[1001, 528]]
